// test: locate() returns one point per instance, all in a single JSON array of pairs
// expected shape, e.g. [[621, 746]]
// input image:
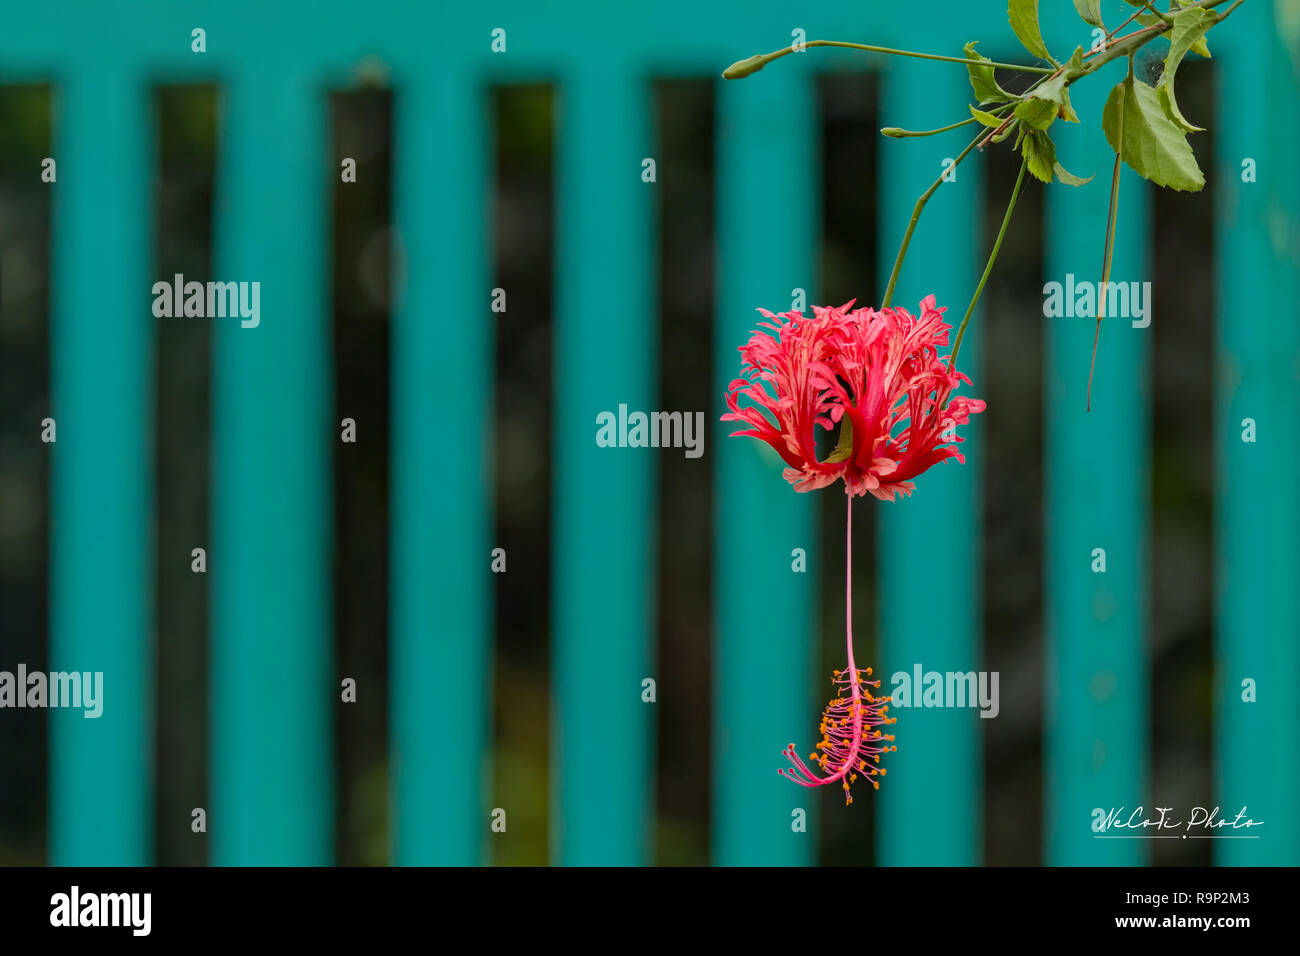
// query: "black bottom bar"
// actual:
[[534, 907]]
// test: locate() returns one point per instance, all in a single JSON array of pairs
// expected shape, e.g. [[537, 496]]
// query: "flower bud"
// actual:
[[743, 68]]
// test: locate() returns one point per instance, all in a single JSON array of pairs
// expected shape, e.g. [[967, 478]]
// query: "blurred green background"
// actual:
[[523, 124]]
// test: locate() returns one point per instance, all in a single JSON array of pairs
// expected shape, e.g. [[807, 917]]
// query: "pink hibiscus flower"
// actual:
[[880, 370], [877, 375]]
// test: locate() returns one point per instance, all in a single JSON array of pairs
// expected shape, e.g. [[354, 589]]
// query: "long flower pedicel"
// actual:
[[850, 745], [878, 376]]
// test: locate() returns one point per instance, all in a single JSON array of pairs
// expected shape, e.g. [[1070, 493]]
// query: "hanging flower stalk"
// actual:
[[878, 377]]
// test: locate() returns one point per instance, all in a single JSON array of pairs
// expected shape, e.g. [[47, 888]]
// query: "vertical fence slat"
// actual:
[[102, 347], [442, 400], [931, 539], [765, 639], [272, 682], [605, 355], [1257, 376], [1096, 481]]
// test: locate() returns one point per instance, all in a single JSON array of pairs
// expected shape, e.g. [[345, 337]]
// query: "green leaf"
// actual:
[[1052, 89], [1189, 26], [1023, 15], [1040, 155], [1153, 144], [1090, 10], [1073, 70], [1074, 67], [1200, 47], [1037, 113], [982, 80], [1067, 177], [1167, 103], [988, 119], [1055, 91], [1066, 112]]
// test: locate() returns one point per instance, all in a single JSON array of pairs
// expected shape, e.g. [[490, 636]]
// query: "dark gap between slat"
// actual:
[[185, 131], [1181, 562], [523, 120], [361, 131], [684, 121], [25, 209], [1010, 318]]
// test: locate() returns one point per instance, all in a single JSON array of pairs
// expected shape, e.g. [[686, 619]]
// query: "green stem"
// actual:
[[1108, 253], [1151, 7], [993, 256], [1114, 49], [753, 64], [916, 215], [897, 133], [1111, 33], [998, 111]]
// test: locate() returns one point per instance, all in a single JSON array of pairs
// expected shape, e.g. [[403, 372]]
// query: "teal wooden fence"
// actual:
[[272, 679]]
